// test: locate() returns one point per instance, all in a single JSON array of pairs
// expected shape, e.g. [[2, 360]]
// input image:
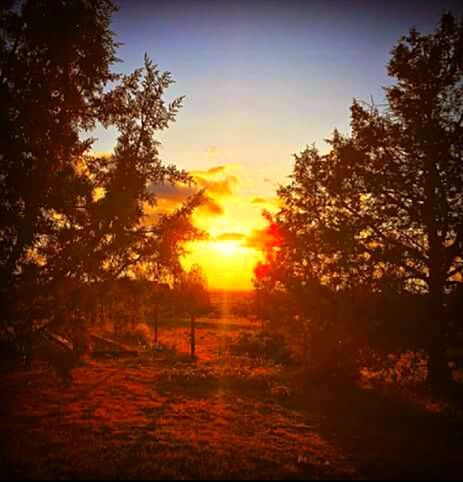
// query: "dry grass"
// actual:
[[158, 418], [219, 417]]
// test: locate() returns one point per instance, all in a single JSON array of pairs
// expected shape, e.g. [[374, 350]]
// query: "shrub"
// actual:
[[263, 344], [140, 334]]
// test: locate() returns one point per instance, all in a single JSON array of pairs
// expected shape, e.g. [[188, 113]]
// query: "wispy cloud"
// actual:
[[217, 182], [268, 202], [230, 237]]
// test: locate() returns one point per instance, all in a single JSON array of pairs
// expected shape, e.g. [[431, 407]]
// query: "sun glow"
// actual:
[[228, 264], [227, 248], [232, 221]]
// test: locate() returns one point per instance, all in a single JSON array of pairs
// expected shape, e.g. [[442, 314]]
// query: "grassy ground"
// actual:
[[218, 417]]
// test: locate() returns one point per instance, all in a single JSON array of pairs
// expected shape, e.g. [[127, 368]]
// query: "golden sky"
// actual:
[[232, 219]]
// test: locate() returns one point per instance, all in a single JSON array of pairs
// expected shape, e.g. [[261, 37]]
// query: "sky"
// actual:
[[261, 80]]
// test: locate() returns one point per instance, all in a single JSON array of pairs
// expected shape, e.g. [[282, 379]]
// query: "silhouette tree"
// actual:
[[65, 212], [114, 226], [192, 295], [385, 205], [54, 63]]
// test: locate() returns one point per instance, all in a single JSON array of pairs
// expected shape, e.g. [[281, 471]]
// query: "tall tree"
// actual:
[[385, 204], [113, 224], [66, 214], [55, 60]]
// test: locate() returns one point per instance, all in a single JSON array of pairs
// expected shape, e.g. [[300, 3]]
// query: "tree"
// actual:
[[384, 207], [192, 295], [296, 301], [114, 226], [55, 61], [66, 214]]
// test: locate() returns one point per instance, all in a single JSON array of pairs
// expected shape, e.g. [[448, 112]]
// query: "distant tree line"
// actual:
[[367, 249]]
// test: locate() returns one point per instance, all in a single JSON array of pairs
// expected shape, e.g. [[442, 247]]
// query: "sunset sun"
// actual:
[[227, 248]]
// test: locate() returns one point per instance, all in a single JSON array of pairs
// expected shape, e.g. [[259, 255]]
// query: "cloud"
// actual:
[[269, 202], [224, 187], [170, 197], [216, 181], [212, 207], [230, 237], [173, 194], [216, 170]]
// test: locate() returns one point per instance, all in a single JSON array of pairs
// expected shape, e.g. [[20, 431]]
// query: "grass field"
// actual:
[[219, 417]]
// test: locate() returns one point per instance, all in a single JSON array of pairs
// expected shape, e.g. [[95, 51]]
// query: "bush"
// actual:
[[264, 345], [139, 334], [401, 368]]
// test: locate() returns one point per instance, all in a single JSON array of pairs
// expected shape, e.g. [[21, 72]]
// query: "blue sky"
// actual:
[[264, 78]]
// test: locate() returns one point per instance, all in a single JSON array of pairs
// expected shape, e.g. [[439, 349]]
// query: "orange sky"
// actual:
[[233, 221]]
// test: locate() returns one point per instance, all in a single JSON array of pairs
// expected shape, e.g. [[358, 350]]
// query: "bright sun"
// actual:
[[227, 248], [228, 264]]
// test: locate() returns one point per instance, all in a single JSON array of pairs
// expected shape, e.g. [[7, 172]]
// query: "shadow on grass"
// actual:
[[387, 435]]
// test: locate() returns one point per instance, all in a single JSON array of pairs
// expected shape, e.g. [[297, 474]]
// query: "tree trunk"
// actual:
[[305, 348], [192, 337], [156, 324], [439, 373]]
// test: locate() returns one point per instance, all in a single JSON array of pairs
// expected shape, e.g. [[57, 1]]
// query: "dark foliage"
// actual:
[[379, 218], [263, 345], [73, 223]]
